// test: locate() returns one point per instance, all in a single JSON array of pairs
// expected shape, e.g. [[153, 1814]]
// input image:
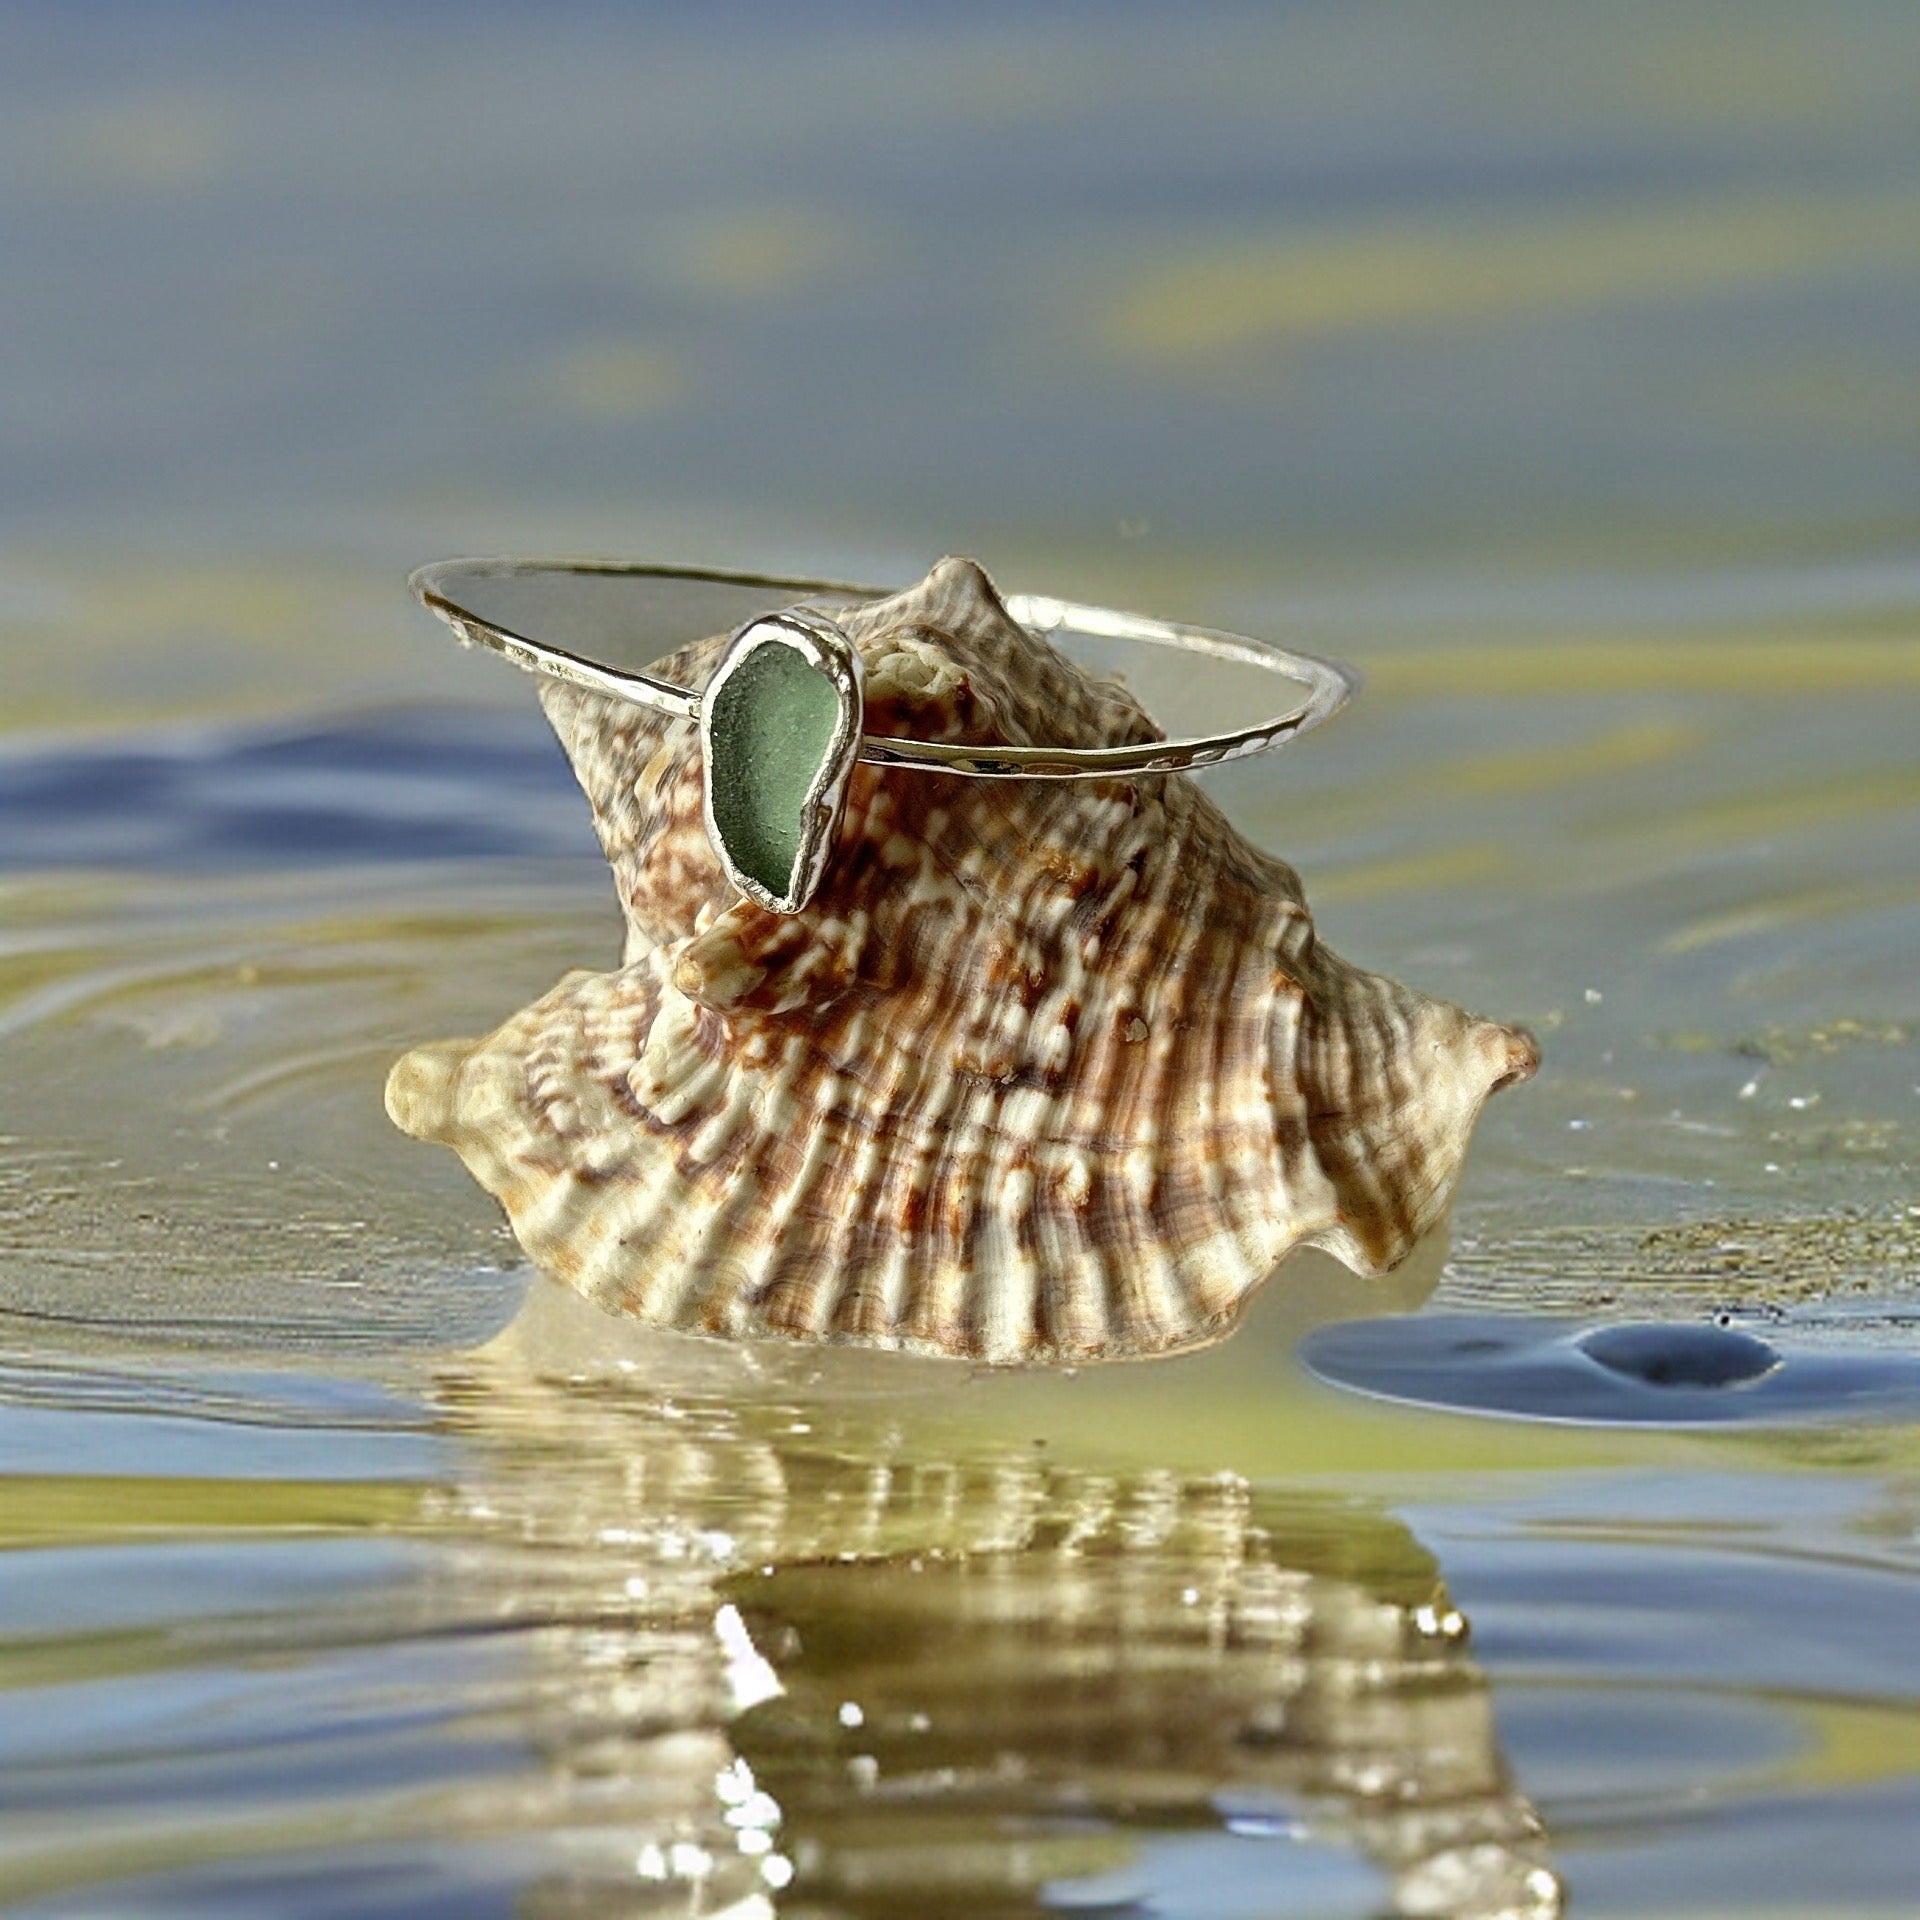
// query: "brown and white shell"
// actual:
[[1045, 1072]]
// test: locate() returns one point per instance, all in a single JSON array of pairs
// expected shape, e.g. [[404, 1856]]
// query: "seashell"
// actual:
[[1045, 1072]]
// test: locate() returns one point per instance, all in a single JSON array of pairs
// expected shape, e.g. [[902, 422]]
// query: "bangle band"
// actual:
[[602, 606]]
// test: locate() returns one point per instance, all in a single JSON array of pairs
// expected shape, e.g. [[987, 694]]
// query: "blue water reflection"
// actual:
[[427, 784]]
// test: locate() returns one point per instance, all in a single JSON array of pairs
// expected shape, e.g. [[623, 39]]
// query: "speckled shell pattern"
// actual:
[[1045, 1072]]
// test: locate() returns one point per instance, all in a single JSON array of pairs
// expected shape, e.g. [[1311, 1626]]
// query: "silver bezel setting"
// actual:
[[825, 648]]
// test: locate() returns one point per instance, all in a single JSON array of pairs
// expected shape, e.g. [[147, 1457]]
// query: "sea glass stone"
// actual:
[[782, 727]]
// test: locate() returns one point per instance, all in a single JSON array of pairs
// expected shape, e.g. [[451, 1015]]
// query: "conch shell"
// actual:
[[1045, 1072]]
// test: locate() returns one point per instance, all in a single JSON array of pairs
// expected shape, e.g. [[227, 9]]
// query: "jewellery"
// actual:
[[780, 718]]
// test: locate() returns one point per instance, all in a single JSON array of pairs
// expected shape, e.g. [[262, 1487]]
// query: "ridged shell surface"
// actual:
[[1045, 1072]]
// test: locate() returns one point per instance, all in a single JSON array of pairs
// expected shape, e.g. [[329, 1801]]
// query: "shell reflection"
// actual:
[[780, 1659]]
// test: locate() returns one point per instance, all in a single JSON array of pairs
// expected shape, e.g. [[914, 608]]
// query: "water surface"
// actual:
[[1558, 373]]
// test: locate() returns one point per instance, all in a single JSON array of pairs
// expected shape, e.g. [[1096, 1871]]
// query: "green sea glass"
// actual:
[[772, 727]]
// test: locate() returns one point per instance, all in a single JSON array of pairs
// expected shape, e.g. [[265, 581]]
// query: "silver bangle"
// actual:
[[613, 604]]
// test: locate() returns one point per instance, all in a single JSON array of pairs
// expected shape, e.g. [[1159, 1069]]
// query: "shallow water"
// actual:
[[1560, 375]]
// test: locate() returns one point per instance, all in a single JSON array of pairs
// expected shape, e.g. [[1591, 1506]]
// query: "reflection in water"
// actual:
[[780, 1650]]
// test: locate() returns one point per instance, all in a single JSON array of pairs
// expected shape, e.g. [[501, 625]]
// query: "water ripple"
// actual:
[[433, 783]]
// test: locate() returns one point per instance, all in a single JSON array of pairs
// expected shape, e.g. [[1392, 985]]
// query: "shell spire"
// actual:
[[1043, 1072]]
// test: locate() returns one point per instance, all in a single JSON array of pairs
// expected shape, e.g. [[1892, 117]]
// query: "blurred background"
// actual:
[[1367, 316], [1560, 367]]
